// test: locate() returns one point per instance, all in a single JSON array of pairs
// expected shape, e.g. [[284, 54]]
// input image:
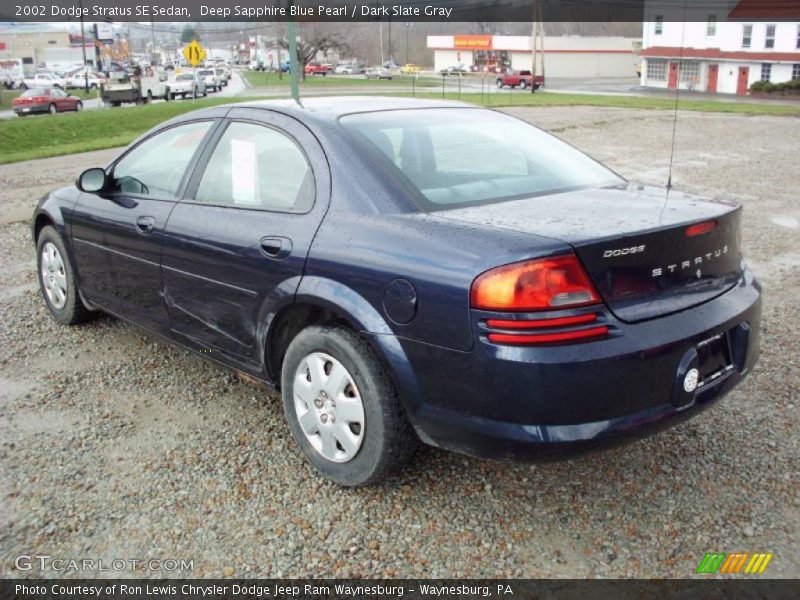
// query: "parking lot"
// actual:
[[117, 445]]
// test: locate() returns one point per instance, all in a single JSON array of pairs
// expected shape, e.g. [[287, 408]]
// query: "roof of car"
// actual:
[[329, 108]]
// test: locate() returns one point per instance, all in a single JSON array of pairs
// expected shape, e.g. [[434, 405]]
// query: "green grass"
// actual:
[[7, 96], [68, 133], [506, 99], [263, 79]]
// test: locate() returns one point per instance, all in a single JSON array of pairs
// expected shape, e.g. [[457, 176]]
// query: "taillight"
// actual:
[[700, 228], [542, 284]]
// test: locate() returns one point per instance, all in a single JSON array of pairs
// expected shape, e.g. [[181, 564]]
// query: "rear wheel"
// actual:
[[499, 83], [149, 98], [57, 279], [523, 84], [78, 106], [342, 407]]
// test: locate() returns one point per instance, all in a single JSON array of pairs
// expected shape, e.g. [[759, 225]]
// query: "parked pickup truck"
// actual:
[[43, 80], [522, 79], [314, 68], [134, 89]]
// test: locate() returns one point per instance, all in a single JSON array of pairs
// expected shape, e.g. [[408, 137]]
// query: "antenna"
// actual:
[[677, 97]]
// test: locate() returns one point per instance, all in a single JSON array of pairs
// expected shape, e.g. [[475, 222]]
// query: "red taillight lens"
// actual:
[[700, 228], [547, 283], [548, 338]]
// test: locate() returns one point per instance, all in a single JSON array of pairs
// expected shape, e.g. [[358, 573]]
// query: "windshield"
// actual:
[[186, 77], [464, 156]]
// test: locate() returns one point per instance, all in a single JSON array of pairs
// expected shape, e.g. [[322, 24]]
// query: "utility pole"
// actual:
[[291, 28], [408, 29], [391, 56], [83, 49], [537, 39], [153, 44]]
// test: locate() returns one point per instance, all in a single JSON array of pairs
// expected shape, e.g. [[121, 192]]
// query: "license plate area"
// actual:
[[713, 359]]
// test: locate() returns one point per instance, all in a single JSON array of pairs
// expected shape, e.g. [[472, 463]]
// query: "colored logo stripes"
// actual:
[[736, 562]]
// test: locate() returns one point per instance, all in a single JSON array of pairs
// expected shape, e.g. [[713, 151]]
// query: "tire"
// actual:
[[149, 98], [205, 92], [67, 308], [183, 96], [523, 84], [52, 109], [78, 106], [378, 445], [499, 84]]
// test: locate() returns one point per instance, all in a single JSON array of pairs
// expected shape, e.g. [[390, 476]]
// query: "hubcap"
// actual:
[[329, 407], [54, 277]]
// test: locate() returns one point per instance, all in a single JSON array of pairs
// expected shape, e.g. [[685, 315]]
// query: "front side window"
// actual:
[[156, 166], [766, 71], [657, 69], [769, 41], [658, 26], [254, 166], [465, 157], [747, 35]]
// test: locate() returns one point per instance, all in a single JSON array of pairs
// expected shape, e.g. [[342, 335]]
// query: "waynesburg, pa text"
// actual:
[[263, 591]]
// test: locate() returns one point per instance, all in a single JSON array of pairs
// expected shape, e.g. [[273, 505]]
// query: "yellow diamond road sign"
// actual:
[[194, 53]]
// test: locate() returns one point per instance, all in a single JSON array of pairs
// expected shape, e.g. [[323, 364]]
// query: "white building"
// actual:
[[719, 54], [564, 56]]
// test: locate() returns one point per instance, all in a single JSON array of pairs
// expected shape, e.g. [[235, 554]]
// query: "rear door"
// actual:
[[236, 245], [117, 235]]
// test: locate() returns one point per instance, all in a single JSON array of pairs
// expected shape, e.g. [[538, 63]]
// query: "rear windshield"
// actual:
[[186, 77], [35, 92], [452, 157]]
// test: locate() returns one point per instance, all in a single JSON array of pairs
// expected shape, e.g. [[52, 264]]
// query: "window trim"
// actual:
[[658, 25], [189, 168], [766, 68], [795, 69], [202, 164], [711, 26]]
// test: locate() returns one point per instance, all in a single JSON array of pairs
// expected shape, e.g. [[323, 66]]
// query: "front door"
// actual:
[[672, 82], [741, 83], [713, 76], [117, 234], [236, 246]]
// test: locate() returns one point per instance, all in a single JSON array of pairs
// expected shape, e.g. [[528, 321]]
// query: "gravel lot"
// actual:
[[116, 445]]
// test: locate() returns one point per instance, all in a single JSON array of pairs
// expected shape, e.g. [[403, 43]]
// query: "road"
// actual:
[[235, 87]]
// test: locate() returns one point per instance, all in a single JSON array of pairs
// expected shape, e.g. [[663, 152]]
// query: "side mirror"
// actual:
[[92, 181]]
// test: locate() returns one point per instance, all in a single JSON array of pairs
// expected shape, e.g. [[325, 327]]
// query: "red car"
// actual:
[[522, 79], [50, 100], [314, 68]]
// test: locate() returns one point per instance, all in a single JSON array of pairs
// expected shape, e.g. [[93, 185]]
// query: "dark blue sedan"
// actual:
[[408, 270]]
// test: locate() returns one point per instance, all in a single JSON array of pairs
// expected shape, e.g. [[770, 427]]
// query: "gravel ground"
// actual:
[[116, 445]]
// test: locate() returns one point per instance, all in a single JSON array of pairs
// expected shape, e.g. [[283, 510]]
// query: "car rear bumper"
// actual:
[[539, 403], [31, 108]]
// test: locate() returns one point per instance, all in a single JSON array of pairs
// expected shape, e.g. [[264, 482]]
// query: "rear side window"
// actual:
[[156, 166], [254, 166]]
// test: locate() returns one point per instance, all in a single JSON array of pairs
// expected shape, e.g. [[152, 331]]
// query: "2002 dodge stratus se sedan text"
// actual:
[[408, 270]]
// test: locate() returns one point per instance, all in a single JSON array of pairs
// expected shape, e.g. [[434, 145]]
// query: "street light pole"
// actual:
[[83, 48]]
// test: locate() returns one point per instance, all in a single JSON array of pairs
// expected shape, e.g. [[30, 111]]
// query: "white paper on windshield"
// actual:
[[243, 172]]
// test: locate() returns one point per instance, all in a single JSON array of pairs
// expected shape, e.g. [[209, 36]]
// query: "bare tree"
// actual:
[[313, 40]]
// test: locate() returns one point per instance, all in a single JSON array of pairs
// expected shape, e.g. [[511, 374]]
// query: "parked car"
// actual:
[[315, 68], [516, 301], [43, 80], [80, 79], [409, 69], [187, 84], [256, 65], [456, 70], [45, 100], [344, 70], [377, 73], [521, 79], [286, 67], [209, 76]]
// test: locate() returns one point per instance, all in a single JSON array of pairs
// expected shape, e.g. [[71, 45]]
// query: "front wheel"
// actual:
[[78, 106], [523, 84], [52, 109], [57, 279], [342, 407]]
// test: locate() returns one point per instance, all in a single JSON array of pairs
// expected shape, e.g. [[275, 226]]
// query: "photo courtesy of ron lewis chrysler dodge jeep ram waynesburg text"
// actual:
[[481, 286]]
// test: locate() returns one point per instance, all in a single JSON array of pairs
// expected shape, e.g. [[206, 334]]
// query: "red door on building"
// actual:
[[713, 75], [741, 84], [672, 82]]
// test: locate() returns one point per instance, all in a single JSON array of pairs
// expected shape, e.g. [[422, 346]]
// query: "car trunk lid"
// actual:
[[634, 242]]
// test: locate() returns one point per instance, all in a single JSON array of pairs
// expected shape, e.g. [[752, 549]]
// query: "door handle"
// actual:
[[145, 224], [276, 247]]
